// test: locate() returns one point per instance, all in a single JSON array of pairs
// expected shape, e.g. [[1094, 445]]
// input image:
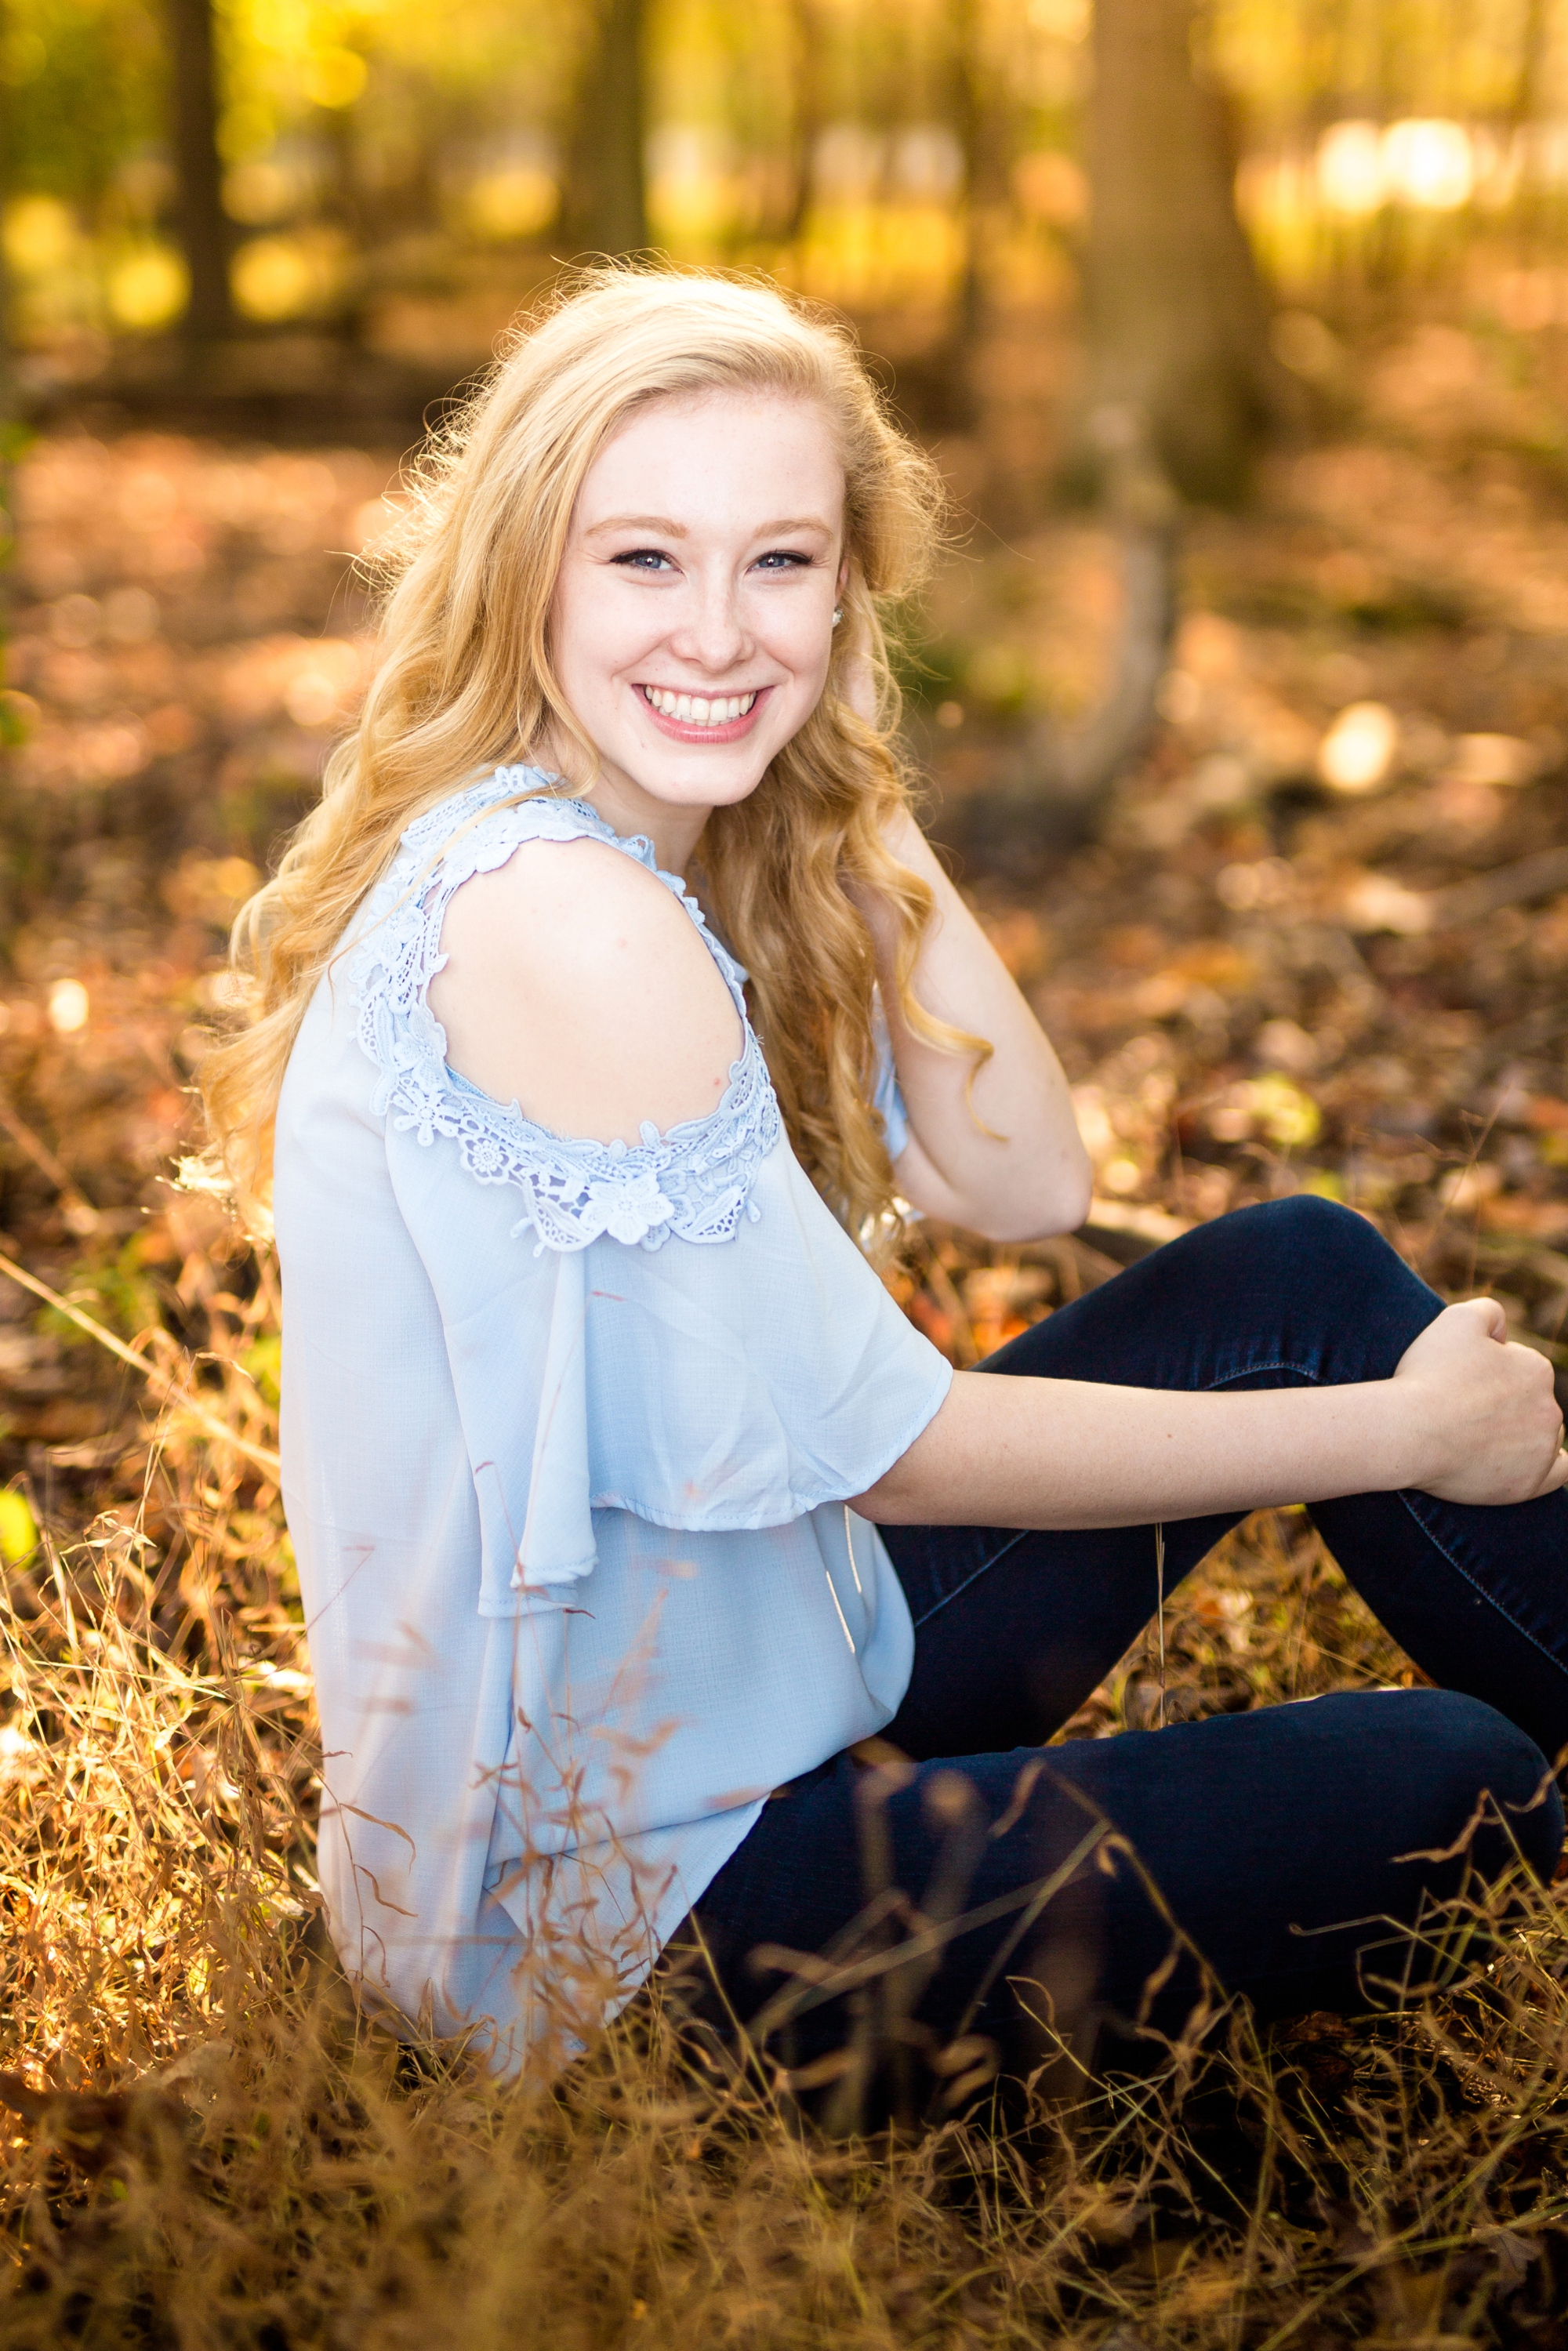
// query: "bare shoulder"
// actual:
[[579, 911], [578, 987]]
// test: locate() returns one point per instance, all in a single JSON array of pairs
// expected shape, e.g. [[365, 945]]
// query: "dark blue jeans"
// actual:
[[990, 1886]]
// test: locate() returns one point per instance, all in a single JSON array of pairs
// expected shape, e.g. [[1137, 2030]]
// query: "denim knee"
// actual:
[[1482, 1750], [1307, 1232], [1333, 1286]]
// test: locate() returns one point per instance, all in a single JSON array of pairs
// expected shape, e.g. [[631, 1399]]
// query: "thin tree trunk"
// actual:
[[1052, 791], [1178, 318], [204, 226], [1526, 103], [981, 124], [10, 406], [939, 389], [811, 36], [604, 208], [967, 113]]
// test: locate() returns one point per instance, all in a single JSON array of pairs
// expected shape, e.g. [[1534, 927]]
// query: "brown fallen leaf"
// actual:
[[92, 2128]]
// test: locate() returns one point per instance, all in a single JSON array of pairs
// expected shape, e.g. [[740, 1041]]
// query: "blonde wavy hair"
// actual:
[[465, 682]]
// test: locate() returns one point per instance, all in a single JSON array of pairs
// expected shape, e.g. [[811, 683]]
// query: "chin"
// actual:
[[701, 790]]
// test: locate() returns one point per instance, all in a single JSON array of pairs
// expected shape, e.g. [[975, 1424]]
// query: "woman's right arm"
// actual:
[[1468, 1416], [576, 985]]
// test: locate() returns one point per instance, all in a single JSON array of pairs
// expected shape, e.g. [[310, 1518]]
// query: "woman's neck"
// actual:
[[673, 827]]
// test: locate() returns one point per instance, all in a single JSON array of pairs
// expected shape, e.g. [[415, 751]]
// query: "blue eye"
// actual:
[[643, 559], [783, 559]]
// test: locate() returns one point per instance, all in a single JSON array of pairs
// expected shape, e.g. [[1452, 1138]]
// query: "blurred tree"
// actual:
[[806, 127], [203, 225], [1180, 355], [985, 163], [86, 93], [9, 728], [7, 168], [603, 205]]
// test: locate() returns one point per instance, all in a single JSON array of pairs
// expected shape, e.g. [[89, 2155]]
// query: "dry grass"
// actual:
[[210, 2148]]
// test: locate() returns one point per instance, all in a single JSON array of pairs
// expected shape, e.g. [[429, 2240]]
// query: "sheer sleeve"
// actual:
[[887, 1094]]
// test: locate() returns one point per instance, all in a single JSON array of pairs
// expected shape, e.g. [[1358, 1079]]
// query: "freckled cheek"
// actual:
[[811, 676], [595, 647], [802, 651]]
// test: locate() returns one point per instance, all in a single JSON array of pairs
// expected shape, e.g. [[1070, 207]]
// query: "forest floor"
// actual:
[[1310, 951]]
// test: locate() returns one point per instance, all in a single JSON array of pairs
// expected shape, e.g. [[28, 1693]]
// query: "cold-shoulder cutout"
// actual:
[[575, 985], [692, 1181]]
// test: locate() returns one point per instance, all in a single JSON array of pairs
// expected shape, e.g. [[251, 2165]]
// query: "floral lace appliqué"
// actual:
[[693, 1182]]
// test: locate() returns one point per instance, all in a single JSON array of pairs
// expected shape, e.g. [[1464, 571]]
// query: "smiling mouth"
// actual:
[[698, 709]]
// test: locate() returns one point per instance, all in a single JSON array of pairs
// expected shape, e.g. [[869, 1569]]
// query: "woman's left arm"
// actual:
[[1030, 1175]]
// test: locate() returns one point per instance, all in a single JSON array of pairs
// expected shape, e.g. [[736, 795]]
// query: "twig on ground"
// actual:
[[80, 1214], [168, 1391]]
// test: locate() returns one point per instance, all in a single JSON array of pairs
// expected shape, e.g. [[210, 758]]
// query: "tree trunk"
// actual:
[[603, 208], [1052, 792], [810, 40], [976, 116], [10, 432], [204, 226], [1177, 319], [1181, 382]]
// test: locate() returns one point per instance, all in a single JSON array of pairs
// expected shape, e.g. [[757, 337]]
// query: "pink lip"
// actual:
[[686, 732]]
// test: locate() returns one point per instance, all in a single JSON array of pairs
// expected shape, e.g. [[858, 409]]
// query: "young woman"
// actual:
[[604, 1007]]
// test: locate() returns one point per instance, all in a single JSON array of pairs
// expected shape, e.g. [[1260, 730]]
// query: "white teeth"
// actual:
[[699, 709]]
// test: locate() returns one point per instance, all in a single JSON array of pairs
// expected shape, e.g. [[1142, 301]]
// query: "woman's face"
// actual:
[[692, 623]]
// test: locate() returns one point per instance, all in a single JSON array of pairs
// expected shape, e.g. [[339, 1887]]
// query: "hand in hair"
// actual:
[[994, 1143]]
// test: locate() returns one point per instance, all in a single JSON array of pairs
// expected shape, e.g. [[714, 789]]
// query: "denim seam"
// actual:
[[1461, 1570], [1018, 1536], [1247, 1373], [985, 1568]]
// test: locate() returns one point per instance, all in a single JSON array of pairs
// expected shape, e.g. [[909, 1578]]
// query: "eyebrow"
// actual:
[[667, 528]]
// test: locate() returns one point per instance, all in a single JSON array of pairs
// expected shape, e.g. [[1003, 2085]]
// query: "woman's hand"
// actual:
[[1484, 1423]]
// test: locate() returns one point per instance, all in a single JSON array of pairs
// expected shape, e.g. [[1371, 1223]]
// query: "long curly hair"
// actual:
[[465, 682]]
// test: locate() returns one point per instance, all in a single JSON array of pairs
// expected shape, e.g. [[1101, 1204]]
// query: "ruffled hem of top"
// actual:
[[782, 1510], [692, 1183], [779, 1510]]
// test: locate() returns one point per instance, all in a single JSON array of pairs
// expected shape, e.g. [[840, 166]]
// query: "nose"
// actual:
[[710, 632]]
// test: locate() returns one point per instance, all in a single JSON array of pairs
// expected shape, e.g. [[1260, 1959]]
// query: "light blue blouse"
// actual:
[[567, 1431]]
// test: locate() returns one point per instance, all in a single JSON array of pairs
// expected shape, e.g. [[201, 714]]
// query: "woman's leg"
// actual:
[[1014, 1630], [1266, 1833], [1262, 1829]]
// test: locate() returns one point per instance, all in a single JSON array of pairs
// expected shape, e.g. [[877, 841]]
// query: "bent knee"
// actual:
[[1482, 1769], [1311, 1248], [1307, 1228]]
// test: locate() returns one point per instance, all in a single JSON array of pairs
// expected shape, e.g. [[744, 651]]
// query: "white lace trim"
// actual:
[[693, 1182]]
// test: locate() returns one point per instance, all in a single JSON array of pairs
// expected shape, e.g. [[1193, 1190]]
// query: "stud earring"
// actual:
[[838, 614]]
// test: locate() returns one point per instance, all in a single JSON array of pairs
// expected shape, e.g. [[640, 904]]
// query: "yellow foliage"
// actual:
[[148, 288], [40, 233], [335, 78], [18, 1527], [288, 277]]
